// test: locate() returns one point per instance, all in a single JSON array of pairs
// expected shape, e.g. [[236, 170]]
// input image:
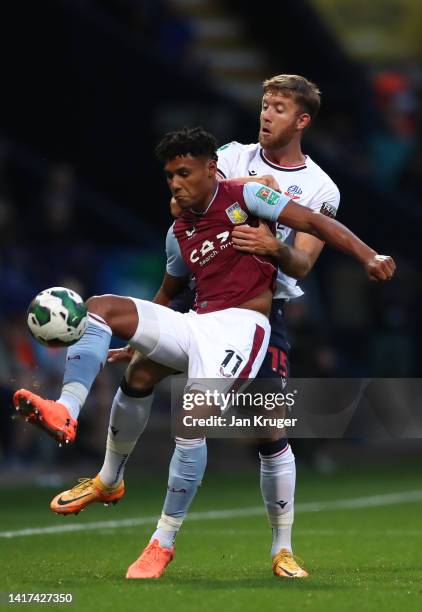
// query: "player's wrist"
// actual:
[[367, 255], [280, 251]]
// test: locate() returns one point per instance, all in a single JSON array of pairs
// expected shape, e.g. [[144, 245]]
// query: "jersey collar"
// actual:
[[279, 167]]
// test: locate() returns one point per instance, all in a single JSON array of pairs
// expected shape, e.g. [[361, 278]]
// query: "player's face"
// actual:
[[280, 121], [190, 179]]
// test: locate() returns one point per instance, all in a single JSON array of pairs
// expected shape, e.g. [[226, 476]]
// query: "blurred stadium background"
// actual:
[[88, 88]]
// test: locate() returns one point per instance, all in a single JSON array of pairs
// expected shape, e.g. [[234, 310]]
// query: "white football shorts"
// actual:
[[228, 344]]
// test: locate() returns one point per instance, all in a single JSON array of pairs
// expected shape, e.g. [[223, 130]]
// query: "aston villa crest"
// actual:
[[236, 214]]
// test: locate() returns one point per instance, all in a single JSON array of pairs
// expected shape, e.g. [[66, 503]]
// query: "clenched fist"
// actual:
[[380, 268]]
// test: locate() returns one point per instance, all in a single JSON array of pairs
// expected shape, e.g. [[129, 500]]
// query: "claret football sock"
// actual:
[[186, 471], [84, 361], [128, 419], [278, 478]]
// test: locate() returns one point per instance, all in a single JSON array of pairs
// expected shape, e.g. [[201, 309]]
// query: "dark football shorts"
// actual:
[[184, 301], [276, 362]]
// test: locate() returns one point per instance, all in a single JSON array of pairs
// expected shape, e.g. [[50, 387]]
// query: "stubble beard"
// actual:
[[278, 142]]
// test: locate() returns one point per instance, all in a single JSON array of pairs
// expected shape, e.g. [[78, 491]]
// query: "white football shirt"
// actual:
[[306, 184]]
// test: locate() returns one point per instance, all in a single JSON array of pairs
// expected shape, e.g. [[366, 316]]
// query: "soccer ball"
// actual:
[[57, 317]]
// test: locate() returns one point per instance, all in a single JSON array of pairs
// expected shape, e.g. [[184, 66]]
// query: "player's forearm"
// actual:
[[170, 288], [292, 261], [162, 298], [338, 236]]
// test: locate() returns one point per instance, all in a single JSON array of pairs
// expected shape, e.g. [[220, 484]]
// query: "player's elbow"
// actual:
[[302, 273], [301, 270], [301, 264]]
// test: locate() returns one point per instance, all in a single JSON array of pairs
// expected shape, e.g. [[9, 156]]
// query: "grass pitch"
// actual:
[[359, 558]]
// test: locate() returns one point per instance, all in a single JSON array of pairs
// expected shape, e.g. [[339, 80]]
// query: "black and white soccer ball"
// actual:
[[57, 317]]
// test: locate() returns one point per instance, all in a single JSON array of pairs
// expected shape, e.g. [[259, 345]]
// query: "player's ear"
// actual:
[[303, 121], [212, 167]]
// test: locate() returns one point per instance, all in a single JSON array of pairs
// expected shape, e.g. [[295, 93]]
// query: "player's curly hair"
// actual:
[[188, 141]]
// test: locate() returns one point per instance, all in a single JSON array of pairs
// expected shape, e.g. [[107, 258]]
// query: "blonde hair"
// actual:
[[305, 93]]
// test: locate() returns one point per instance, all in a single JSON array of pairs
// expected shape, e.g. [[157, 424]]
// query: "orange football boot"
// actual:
[[51, 416], [152, 562], [88, 490], [286, 566]]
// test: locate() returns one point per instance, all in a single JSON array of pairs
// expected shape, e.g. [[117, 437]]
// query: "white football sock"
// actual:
[[128, 419], [186, 471], [73, 397], [278, 478], [167, 529]]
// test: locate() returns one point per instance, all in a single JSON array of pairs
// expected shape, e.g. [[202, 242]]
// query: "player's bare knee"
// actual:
[[105, 306], [118, 312], [139, 379], [97, 304], [143, 374]]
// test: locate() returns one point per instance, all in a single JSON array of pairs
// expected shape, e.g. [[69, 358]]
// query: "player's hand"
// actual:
[[121, 354], [268, 181], [258, 240], [380, 268], [175, 209]]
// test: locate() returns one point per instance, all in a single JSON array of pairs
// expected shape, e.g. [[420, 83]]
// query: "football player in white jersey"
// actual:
[[289, 104]]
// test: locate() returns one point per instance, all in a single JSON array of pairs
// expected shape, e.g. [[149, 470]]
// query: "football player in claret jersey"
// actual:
[[198, 243]]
